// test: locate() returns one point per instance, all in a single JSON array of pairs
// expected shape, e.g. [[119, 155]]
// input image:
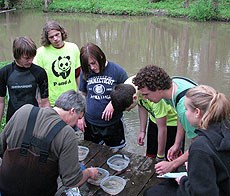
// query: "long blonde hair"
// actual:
[[214, 105]]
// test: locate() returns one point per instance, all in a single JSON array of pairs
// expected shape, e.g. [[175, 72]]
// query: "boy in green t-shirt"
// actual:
[[162, 124], [155, 84]]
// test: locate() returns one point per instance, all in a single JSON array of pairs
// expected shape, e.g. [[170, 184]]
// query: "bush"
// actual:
[[1, 3], [3, 123], [202, 10]]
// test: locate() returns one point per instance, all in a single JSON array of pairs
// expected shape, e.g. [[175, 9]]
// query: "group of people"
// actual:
[[41, 87], [203, 115], [57, 87]]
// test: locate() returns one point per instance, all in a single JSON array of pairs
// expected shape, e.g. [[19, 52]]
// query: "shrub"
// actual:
[[203, 10]]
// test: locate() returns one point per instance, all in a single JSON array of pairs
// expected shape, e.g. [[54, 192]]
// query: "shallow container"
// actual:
[[102, 173], [118, 162], [82, 152], [113, 184]]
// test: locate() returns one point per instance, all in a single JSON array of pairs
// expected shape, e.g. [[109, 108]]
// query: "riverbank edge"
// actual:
[[174, 9], [153, 12]]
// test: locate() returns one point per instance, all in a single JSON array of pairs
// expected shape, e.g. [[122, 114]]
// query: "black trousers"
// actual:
[[152, 139], [166, 188]]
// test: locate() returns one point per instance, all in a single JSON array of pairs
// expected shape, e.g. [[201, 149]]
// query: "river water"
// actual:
[[200, 51]]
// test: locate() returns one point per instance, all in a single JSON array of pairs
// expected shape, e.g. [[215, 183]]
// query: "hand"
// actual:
[[178, 179], [108, 112], [140, 138], [186, 165], [81, 124], [93, 172], [164, 167], [173, 152]]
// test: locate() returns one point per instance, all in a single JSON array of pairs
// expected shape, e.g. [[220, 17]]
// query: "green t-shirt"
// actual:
[[60, 65], [159, 110], [180, 108]]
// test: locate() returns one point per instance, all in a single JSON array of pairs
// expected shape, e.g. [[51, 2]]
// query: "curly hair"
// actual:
[[52, 25], [152, 77], [214, 105]]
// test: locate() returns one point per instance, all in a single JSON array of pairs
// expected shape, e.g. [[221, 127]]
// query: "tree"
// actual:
[[215, 5], [186, 3], [46, 4]]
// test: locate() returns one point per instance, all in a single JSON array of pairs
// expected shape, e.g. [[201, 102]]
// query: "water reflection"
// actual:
[[197, 50]]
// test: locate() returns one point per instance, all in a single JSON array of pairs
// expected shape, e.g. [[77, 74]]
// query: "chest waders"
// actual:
[[25, 173]]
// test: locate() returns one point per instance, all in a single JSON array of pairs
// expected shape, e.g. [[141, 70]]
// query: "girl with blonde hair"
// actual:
[[209, 154]]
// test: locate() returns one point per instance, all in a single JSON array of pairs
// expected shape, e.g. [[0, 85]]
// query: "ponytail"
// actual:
[[214, 105]]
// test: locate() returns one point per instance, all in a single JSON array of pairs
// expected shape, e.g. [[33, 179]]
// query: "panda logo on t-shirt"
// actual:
[[62, 67]]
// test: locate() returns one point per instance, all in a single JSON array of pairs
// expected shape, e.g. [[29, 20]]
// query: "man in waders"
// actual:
[[39, 144]]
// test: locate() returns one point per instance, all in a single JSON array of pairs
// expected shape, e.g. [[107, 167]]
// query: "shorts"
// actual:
[[152, 139], [112, 135]]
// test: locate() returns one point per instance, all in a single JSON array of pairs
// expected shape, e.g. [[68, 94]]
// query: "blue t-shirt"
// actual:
[[98, 88]]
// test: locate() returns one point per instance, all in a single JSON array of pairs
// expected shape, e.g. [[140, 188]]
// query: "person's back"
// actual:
[[34, 156], [17, 167]]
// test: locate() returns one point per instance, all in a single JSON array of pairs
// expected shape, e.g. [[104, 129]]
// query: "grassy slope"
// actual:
[[174, 8], [134, 7]]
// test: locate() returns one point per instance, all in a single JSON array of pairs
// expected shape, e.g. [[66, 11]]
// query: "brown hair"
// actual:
[[214, 105], [24, 46], [91, 50], [52, 25], [152, 77], [122, 97]]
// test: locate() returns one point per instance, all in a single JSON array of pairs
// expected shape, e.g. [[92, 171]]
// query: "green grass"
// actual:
[[3, 122], [3, 63], [198, 9], [174, 8]]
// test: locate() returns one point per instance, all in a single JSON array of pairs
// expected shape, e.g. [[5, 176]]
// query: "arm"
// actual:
[[77, 76], [202, 179], [2, 106], [43, 94], [162, 135], [81, 122], [173, 152], [166, 166], [108, 112], [45, 102], [66, 150], [143, 117], [88, 173]]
